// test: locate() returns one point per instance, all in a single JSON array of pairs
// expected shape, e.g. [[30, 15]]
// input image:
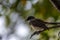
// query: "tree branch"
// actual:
[[38, 32]]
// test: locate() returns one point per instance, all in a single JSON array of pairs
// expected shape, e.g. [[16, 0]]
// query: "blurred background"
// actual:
[[13, 14]]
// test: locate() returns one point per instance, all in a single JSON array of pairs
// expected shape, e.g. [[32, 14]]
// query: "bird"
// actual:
[[36, 24]]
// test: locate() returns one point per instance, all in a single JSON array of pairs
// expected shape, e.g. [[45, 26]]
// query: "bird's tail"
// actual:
[[54, 23]]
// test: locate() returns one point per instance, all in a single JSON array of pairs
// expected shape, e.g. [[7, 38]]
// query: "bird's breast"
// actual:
[[36, 28]]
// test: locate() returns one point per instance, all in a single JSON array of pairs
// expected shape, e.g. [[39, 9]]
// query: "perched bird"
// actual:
[[36, 24]]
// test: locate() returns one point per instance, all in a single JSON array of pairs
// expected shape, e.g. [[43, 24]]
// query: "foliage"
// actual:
[[41, 9]]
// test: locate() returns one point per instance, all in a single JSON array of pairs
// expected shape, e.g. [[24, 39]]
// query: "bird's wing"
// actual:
[[37, 22], [41, 23]]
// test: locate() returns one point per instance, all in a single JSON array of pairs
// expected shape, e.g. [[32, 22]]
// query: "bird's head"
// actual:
[[30, 18]]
